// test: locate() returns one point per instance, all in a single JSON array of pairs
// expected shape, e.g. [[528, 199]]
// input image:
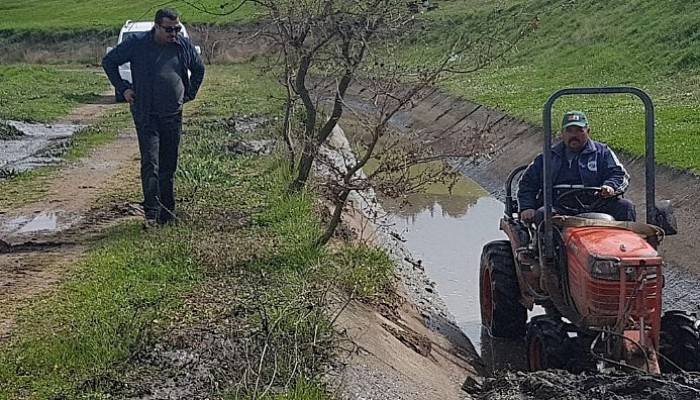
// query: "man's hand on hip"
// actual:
[[129, 96], [528, 215]]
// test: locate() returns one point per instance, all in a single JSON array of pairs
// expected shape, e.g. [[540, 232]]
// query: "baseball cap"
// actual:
[[574, 118]]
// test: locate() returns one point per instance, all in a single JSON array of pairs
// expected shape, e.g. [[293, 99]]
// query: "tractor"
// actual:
[[599, 281]]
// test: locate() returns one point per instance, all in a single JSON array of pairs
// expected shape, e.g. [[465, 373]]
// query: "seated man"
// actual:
[[577, 160]]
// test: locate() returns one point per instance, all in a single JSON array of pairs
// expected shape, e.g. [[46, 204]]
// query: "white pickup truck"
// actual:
[[131, 28]]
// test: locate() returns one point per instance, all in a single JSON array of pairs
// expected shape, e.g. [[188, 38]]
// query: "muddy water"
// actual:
[[39, 145], [18, 228], [447, 232], [42, 222]]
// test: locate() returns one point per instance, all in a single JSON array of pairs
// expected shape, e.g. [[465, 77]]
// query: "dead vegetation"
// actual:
[[559, 385], [221, 44]]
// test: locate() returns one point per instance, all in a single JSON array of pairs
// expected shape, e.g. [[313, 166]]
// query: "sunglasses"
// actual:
[[171, 29]]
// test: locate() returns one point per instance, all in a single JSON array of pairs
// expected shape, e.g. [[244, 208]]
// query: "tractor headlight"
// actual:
[[606, 269]]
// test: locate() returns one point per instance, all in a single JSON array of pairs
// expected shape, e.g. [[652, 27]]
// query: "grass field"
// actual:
[[38, 93], [48, 15], [654, 45]]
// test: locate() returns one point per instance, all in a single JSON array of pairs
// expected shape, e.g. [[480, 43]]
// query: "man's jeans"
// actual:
[[159, 139]]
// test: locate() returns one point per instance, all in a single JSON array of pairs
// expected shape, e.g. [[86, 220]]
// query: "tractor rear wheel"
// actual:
[[680, 341], [502, 314], [548, 344]]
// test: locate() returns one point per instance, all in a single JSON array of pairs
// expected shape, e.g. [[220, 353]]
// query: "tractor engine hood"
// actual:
[[592, 243]]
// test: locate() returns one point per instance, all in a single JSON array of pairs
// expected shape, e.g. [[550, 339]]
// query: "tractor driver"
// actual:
[[577, 160]]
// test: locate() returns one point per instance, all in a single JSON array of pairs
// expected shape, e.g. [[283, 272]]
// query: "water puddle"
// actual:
[[42, 222], [29, 225], [38, 145]]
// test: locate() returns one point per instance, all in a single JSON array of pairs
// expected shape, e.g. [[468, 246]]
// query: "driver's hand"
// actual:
[[606, 191], [528, 215]]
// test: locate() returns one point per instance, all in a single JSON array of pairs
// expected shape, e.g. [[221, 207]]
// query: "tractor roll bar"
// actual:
[[547, 155]]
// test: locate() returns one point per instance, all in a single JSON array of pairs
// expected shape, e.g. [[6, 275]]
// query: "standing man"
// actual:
[[161, 62], [577, 160]]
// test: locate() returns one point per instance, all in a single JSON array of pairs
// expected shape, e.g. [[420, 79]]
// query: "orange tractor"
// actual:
[[599, 280]]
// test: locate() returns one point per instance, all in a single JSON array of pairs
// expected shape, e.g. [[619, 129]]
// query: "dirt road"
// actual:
[[44, 239]]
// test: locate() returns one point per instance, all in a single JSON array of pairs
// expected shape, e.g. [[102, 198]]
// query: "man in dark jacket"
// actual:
[[161, 62], [577, 160]]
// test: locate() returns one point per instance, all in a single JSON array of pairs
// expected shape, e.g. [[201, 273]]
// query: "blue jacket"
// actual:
[[139, 51], [598, 166]]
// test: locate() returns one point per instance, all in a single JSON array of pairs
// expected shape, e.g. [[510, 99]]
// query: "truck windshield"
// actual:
[[129, 35]]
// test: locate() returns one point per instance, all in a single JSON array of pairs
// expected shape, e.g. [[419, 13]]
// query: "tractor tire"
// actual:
[[548, 344], [502, 314], [680, 341], [118, 97]]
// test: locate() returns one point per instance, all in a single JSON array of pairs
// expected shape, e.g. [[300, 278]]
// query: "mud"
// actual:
[[37, 145], [255, 147], [548, 385], [190, 358], [8, 131], [42, 222], [185, 365], [39, 252]]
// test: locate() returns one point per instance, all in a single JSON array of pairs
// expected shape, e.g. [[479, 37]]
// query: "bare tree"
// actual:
[[323, 37], [330, 45], [403, 161]]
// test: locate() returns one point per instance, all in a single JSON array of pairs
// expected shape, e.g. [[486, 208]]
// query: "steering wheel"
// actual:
[[581, 199]]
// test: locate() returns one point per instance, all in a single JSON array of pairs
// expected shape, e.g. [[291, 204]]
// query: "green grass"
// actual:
[[98, 134], [98, 315], [51, 15], [364, 271], [257, 93], [44, 94], [302, 390], [645, 43], [26, 187]]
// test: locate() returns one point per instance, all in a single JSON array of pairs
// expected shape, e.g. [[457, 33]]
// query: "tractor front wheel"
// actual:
[[680, 342], [502, 314], [548, 344]]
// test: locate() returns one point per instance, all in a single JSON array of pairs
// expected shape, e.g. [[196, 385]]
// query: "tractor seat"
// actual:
[[596, 215]]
